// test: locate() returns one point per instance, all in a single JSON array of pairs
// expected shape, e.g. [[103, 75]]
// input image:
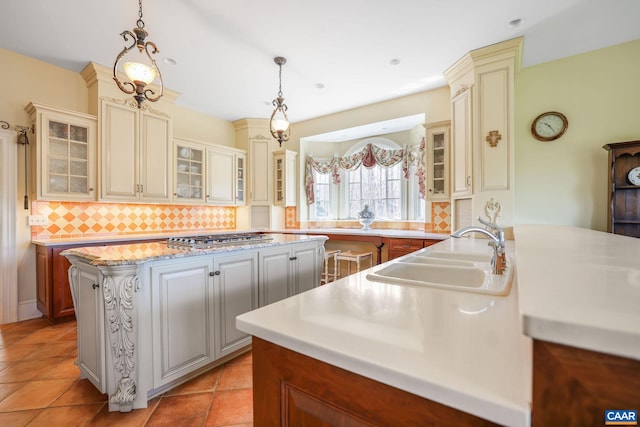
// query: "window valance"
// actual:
[[368, 157]]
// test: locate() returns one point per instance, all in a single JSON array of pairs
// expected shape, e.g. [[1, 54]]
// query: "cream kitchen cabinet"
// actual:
[[64, 154], [462, 145], [438, 160], [226, 169], [189, 171], [284, 178], [289, 271], [235, 279], [182, 308], [135, 153], [482, 131], [85, 282]]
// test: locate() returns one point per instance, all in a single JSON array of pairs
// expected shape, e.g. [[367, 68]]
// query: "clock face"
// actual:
[[549, 126], [634, 176]]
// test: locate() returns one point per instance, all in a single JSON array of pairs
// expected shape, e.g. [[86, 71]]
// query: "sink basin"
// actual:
[[459, 256], [470, 272]]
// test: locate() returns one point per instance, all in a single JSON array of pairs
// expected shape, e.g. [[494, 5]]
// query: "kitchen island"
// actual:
[[560, 349], [151, 315], [451, 355]]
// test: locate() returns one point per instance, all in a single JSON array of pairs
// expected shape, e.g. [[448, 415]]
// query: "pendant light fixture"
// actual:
[[279, 122], [140, 67]]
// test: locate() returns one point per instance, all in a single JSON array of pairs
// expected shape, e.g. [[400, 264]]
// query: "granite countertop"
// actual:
[[110, 238], [461, 349], [580, 287], [138, 253]]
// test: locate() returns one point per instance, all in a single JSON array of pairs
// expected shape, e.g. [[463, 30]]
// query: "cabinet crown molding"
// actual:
[[131, 103]]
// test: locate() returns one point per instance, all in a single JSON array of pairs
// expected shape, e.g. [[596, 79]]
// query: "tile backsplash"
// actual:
[[76, 219]]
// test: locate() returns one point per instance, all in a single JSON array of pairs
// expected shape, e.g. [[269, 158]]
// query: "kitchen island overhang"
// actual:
[[151, 317]]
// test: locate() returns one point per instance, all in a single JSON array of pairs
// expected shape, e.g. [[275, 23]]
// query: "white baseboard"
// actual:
[[27, 310]]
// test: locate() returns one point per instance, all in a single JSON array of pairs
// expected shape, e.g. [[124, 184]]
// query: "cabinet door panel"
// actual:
[[275, 282], [305, 269], [182, 301], [62, 301], [118, 149], [260, 176], [461, 145], [155, 152], [221, 177], [90, 312], [236, 280]]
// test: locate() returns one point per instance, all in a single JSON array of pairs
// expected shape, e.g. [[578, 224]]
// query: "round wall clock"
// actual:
[[549, 126], [634, 176]]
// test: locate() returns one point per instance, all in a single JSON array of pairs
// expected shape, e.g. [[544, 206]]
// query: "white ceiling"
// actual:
[[225, 49]]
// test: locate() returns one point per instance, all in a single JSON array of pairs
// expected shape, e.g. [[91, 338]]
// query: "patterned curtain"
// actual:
[[368, 157]]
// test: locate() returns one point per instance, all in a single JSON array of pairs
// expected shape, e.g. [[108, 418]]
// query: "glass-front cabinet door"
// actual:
[[65, 153], [189, 172], [437, 161], [241, 183]]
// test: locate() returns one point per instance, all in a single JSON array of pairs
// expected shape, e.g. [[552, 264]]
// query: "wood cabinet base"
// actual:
[[290, 389], [573, 387]]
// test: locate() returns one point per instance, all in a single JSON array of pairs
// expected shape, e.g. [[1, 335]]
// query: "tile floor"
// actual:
[[40, 385]]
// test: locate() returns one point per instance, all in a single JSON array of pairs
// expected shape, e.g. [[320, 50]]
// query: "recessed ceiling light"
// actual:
[[394, 61], [515, 23], [319, 86], [170, 61]]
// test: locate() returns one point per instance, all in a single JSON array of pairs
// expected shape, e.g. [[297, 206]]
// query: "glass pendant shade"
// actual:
[[280, 125], [139, 72]]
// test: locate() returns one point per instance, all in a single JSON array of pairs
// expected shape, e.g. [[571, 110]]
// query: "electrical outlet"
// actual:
[[37, 220]]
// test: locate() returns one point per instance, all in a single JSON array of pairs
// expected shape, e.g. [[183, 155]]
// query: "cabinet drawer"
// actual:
[[405, 244]]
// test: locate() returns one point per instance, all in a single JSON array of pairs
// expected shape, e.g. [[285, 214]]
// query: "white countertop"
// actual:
[[580, 287], [461, 349]]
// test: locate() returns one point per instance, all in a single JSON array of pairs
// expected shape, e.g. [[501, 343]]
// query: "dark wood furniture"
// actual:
[[291, 389], [53, 293], [573, 387], [399, 247], [624, 198]]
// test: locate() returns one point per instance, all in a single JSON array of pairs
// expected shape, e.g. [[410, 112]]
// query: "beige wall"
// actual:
[[22, 80], [564, 181]]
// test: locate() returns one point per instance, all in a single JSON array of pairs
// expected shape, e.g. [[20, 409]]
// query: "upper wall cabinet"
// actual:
[[482, 127], [225, 176], [438, 160], [284, 178], [189, 167], [64, 156], [135, 153]]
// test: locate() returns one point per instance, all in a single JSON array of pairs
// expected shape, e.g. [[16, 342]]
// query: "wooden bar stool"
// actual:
[[328, 274], [356, 257]]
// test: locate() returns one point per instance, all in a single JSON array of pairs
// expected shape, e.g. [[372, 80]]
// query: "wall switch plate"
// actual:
[[37, 220]]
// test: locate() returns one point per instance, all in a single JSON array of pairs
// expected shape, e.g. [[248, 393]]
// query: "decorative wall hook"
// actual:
[[493, 137]]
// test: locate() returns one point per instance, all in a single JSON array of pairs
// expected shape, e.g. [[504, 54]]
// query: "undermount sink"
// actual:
[[470, 272]]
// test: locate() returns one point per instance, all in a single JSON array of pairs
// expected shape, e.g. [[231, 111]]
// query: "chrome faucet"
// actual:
[[499, 259]]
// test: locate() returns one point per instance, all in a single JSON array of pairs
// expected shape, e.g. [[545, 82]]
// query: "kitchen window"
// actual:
[[384, 189]]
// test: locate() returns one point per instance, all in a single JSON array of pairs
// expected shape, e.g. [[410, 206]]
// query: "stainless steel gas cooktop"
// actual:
[[216, 240]]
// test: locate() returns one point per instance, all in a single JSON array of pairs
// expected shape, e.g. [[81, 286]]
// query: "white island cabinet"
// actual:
[[151, 317]]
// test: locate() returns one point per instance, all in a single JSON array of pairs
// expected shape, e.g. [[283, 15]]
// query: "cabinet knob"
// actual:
[[215, 273], [293, 258], [95, 286], [91, 190]]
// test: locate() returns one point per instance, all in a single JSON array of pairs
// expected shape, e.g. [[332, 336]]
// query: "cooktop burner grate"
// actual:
[[216, 240]]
